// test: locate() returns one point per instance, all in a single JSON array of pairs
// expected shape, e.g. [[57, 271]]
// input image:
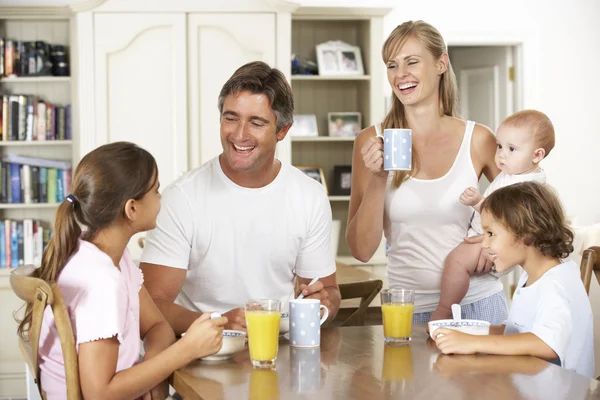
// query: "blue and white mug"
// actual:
[[306, 321], [397, 149]]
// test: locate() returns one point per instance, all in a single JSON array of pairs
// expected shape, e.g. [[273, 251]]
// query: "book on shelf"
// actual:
[[32, 58], [29, 118], [22, 242], [23, 183]]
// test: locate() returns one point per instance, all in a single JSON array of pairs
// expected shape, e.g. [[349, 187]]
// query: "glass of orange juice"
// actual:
[[262, 321], [397, 306]]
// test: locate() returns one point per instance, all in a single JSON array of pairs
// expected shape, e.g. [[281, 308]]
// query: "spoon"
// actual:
[[456, 315], [315, 279]]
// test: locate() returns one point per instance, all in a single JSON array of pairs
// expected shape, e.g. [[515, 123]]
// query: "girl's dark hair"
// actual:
[[533, 213], [105, 179]]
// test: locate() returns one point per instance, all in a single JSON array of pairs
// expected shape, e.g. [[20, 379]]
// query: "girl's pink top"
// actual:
[[102, 303]]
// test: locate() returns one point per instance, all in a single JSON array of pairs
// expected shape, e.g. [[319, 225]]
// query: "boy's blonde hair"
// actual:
[[532, 212], [539, 125]]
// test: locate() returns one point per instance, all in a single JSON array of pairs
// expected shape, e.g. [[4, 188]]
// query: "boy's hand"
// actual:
[[470, 197], [450, 341]]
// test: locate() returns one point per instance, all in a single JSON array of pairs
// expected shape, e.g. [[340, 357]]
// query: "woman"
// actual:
[[419, 210]]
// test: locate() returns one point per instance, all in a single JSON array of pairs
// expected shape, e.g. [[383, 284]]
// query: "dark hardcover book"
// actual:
[[43, 185], [20, 242], [68, 134], [22, 184], [60, 123], [14, 118], [35, 184], [18, 52]]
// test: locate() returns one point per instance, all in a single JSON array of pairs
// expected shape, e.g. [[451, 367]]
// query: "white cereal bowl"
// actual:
[[233, 342], [284, 323], [470, 326]]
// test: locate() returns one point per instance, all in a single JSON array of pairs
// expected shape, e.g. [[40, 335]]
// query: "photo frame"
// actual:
[[342, 180], [339, 58], [304, 125], [315, 173], [344, 123]]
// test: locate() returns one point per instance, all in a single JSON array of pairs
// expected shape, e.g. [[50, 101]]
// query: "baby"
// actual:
[[523, 140]]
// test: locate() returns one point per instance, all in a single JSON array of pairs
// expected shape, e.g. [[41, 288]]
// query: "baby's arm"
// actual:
[[472, 197]]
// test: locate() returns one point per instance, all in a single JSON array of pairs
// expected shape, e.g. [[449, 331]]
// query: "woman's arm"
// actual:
[[483, 152], [497, 329], [521, 344], [365, 215]]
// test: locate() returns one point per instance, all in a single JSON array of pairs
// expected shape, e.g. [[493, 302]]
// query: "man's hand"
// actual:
[[450, 341], [470, 197], [316, 291], [236, 319]]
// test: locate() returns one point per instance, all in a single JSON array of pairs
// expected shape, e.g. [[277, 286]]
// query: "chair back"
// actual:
[[366, 291], [590, 262], [40, 293]]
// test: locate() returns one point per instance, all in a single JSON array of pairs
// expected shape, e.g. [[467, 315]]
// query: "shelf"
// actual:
[[339, 198], [35, 79], [19, 206], [35, 143], [331, 77], [323, 138]]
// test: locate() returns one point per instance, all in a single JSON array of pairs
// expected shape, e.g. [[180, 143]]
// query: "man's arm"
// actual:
[[164, 284], [326, 290]]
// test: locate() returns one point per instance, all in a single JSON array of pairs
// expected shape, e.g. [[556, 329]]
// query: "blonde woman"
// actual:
[[418, 210]]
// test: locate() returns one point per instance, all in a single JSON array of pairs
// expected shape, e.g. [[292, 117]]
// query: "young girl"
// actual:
[[114, 195], [551, 316]]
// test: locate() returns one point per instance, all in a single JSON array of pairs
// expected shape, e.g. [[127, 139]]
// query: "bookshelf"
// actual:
[[319, 95], [53, 26]]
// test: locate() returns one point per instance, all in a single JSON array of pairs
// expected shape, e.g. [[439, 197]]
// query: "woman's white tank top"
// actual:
[[423, 222]]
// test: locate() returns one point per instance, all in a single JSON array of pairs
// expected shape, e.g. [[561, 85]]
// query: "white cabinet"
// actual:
[[217, 45], [140, 81]]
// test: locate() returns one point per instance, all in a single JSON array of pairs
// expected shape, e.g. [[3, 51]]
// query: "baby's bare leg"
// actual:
[[458, 267]]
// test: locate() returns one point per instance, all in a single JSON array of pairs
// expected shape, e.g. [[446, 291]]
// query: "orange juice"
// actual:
[[397, 363], [263, 334], [397, 319]]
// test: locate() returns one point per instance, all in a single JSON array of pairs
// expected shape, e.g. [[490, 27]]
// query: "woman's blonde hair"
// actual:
[[532, 212], [434, 43]]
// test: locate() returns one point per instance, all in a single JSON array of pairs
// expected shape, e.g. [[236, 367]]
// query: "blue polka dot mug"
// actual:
[[306, 321], [397, 149]]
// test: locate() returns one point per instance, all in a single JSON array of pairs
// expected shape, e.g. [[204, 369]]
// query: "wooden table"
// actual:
[[354, 363]]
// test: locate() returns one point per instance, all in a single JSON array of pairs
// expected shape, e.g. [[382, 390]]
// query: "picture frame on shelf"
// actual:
[[344, 124], [315, 173], [304, 125], [342, 180], [339, 58]]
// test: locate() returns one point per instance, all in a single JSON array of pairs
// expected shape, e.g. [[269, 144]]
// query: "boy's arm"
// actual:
[[454, 342]]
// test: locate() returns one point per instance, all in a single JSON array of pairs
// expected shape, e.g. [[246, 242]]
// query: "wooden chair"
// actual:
[[590, 262], [366, 291], [40, 293]]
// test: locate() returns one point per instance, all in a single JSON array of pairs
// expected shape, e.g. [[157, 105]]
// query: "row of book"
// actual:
[[29, 180], [22, 242], [39, 58], [28, 118]]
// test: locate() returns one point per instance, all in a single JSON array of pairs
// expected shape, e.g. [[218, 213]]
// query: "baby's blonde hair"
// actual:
[[538, 124]]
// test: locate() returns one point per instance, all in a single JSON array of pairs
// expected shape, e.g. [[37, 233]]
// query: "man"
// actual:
[[243, 225]]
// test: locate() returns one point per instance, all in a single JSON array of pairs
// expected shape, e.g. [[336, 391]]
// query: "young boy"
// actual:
[[551, 316], [523, 140]]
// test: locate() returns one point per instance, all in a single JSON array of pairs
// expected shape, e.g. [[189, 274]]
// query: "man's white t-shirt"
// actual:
[[557, 309], [239, 243], [501, 181]]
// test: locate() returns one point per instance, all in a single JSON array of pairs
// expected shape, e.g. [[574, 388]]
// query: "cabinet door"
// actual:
[[140, 83], [219, 44]]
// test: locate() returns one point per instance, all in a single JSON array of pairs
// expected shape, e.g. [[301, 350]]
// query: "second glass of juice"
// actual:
[[397, 306], [262, 321]]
